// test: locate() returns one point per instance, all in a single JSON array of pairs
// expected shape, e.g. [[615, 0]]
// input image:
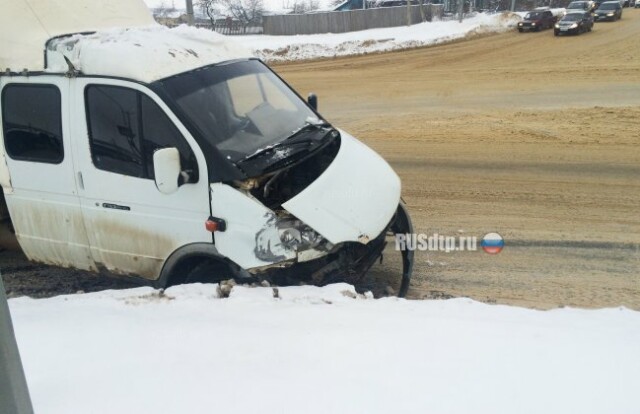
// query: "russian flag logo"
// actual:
[[492, 243]]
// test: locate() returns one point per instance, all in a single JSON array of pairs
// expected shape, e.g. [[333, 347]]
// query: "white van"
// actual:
[[173, 156]]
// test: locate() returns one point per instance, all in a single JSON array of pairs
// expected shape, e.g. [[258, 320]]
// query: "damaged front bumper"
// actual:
[[347, 262]]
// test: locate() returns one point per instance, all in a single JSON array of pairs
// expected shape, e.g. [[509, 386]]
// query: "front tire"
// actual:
[[209, 271]]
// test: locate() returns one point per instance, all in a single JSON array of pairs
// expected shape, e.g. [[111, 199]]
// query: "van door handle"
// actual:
[[80, 180]]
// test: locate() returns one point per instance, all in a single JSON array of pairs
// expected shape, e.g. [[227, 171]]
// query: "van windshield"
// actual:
[[239, 107]]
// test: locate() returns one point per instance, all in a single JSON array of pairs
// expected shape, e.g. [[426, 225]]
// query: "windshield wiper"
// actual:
[[297, 138]]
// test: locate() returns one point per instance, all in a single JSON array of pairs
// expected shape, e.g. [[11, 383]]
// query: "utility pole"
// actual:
[[14, 394], [513, 5], [408, 12], [190, 17], [461, 9]]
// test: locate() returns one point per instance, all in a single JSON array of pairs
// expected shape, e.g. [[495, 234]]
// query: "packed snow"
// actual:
[[283, 48], [321, 350], [146, 54]]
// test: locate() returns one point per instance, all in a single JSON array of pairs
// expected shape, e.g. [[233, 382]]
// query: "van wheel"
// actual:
[[209, 271]]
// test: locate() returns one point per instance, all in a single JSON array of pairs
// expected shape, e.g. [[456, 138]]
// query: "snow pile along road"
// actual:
[[321, 350], [285, 48]]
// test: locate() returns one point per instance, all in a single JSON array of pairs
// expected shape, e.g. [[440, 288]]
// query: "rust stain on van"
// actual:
[[124, 249], [53, 235], [56, 235]]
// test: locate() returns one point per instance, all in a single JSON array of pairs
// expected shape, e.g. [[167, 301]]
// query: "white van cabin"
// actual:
[[174, 155]]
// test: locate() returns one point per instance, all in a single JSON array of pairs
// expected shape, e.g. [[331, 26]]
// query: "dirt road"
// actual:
[[532, 136], [535, 137]]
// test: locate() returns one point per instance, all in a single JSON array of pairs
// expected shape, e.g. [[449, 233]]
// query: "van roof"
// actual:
[[143, 54], [121, 39]]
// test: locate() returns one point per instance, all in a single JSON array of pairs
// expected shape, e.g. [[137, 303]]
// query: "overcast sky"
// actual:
[[180, 4]]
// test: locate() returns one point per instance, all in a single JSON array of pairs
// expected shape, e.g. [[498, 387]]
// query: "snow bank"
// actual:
[[283, 48], [321, 350]]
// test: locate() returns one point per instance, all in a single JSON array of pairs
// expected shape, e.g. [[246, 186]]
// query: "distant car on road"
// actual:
[[536, 21], [581, 6], [574, 23], [609, 10], [637, 4]]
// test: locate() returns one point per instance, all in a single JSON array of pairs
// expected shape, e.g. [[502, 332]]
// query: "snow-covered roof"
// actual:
[[26, 25], [143, 54], [125, 40]]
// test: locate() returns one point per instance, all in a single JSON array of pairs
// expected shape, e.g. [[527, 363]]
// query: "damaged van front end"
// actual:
[[293, 199], [333, 230]]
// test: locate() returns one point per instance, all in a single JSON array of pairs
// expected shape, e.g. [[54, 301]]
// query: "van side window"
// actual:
[[159, 132], [126, 127], [114, 130], [32, 123]]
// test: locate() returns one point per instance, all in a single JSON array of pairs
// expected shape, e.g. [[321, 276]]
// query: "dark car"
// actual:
[[609, 10], [536, 21], [581, 6], [574, 23]]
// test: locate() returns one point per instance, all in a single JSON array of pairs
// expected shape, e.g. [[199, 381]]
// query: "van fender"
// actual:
[[194, 250]]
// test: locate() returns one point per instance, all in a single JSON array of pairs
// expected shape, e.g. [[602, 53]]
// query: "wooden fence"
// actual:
[[346, 21]]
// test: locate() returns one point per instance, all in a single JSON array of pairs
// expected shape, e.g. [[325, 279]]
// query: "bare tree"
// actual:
[[304, 6], [163, 10], [247, 12], [210, 8]]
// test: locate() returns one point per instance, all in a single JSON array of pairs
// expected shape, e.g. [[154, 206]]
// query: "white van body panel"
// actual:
[[132, 226], [44, 204], [353, 209], [24, 49], [246, 217]]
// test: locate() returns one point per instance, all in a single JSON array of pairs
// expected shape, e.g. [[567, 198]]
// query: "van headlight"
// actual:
[[533, 24], [557, 26]]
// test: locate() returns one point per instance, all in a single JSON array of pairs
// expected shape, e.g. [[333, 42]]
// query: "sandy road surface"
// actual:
[[532, 136], [529, 135]]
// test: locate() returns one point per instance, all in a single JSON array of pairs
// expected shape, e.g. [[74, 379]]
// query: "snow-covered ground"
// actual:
[[281, 48], [321, 350]]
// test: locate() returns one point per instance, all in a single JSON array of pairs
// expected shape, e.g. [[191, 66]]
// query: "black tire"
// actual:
[[520, 30], [209, 271]]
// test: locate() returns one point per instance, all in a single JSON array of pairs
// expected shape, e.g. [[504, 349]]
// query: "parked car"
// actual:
[[174, 155], [581, 6], [574, 23], [637, 6], [536, 21], [609, 10]]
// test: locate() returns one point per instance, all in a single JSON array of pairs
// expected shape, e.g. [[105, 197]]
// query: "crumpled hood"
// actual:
[[354, 199]]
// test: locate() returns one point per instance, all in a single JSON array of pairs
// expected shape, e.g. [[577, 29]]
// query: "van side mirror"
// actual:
[[166, 165], [312, 99]]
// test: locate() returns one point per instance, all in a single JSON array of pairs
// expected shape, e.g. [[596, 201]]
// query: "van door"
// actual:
[[132, 226], [43, 200]]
